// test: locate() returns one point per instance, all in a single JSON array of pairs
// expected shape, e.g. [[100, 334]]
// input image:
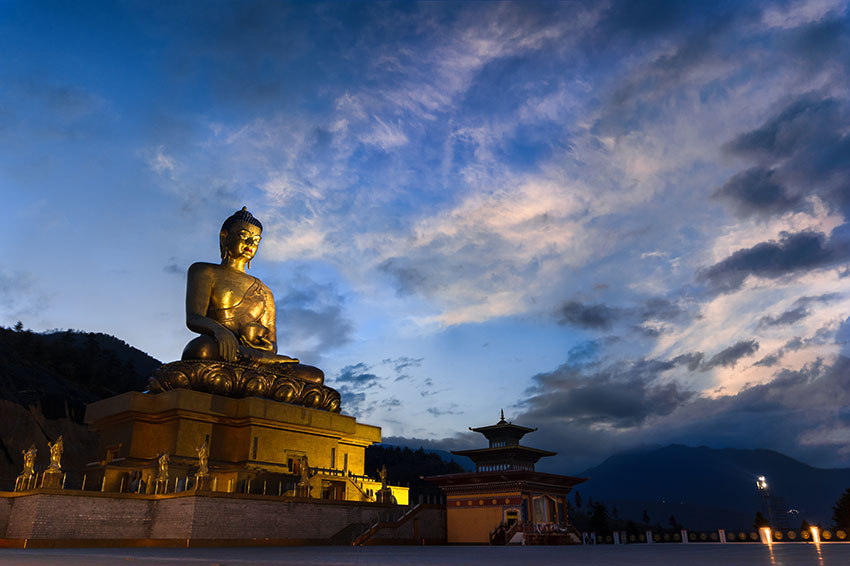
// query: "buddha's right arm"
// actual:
[[198, 291]]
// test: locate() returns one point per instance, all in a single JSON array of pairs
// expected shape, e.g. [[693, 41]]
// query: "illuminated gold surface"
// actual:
[[234, 380], [247, 439], [29, 461], [56, 450], [203, 460], [162, 463], [234, 312], [25, 479]]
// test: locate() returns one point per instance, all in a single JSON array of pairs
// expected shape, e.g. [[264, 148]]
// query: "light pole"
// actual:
[[764, 492]]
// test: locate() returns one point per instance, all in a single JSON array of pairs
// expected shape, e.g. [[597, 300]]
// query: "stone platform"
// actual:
[[53, 518]]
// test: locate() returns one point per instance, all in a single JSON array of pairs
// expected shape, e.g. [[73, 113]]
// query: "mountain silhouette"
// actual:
[[707, 488]]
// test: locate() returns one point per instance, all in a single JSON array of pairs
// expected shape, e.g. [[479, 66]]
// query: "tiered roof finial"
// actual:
[[503, 416]]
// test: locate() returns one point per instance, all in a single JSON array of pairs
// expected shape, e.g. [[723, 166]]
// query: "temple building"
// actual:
[[505, 500]]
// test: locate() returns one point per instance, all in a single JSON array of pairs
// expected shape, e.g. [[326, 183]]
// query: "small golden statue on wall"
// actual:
[[56, 450], [303, 487], [234, 313], [162, 473], [203, 454], [385, 494], [24, 479]]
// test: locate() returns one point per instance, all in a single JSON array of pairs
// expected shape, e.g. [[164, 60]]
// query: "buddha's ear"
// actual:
[[222, 236]]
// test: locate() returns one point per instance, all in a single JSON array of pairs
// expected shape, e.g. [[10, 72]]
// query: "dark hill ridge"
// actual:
[[712, 488], [62, 371], [46, 380]]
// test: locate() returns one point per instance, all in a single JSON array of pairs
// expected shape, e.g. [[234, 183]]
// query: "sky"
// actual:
[[625, 223]]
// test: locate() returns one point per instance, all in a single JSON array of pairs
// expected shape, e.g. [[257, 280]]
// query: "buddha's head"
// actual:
[[240, 236]]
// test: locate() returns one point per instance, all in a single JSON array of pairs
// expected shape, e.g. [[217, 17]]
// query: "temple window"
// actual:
[[113, 452]]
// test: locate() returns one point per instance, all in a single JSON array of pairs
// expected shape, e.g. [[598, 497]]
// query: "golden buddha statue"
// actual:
[[234, 313]]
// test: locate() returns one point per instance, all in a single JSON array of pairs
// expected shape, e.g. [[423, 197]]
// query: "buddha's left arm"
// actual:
[[268, 319]]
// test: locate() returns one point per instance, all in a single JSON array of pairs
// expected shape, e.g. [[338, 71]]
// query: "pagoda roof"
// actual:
[[537, 453], [502, 425]]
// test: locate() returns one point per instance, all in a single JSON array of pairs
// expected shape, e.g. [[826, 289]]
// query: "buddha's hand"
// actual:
[[228, 345]]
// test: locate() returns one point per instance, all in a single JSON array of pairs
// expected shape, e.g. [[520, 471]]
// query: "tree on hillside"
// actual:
[[841, 511], [645, 517], [407, 467], [674, 524], [599, 522], [578, 499], [760, 521]]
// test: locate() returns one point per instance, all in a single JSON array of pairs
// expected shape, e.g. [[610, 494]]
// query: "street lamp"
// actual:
[[761, 484]]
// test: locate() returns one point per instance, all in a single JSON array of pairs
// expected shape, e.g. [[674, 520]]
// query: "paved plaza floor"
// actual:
[[639, 555]]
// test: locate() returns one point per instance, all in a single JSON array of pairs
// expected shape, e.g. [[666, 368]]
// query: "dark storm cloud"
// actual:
[[771, 415], [402, 362], [756, 191], [659, 308], [788, 317], [692, 360], [620, 396], [801, 251], [408, 279], [798, 311], [358, 387], [451, 410], [358, 374], [600, 316], [730, 356], [774, 415], [174, 269], [823, 335], [596, 316], [803, 150]]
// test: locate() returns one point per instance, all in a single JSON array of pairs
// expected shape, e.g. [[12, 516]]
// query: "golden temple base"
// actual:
[[255, 446]]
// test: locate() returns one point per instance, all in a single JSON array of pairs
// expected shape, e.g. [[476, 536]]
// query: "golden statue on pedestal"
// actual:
[[24, 479], [162, 473], [56, 450], [203, 455], [234, 313]]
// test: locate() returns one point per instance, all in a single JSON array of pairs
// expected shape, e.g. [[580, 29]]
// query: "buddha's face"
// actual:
[[241, 240]]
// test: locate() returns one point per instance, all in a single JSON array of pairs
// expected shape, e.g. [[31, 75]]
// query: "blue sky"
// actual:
[[625, 223]]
